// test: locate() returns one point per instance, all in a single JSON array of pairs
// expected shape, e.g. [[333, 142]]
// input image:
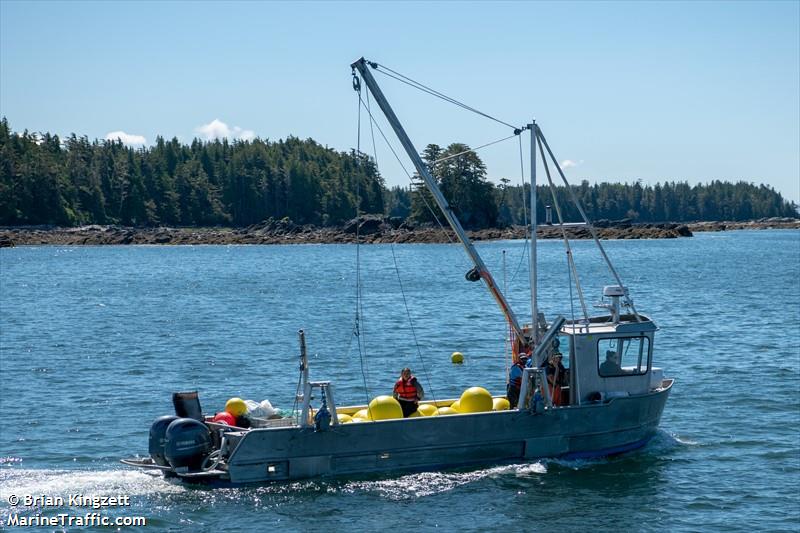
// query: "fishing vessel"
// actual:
[[610, 402]]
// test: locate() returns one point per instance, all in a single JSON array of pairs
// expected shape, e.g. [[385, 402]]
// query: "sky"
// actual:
[[623, 91]]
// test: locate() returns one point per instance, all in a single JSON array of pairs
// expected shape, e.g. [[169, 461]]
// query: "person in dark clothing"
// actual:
[[610, 366], [557, 377], [408, 392], [515, 381]]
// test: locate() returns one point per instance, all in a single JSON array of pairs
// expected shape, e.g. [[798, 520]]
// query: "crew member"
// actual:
[[610, 366], [515, 380], [408, 392], [557, 377]]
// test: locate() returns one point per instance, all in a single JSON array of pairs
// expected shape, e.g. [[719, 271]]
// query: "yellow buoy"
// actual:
[[236, 407], [457, 358], [357, 421], [456, 406], [343, 418], [363, 414], [427, 409], [500, 404], [415, 414], [447, 411], [475, 400], [385, 408]]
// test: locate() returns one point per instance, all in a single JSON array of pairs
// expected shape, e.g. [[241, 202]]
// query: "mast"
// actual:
[[532, 256], [362, 66]]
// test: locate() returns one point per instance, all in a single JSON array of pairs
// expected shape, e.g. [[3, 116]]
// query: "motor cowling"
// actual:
[[158, 438], [188, 443]]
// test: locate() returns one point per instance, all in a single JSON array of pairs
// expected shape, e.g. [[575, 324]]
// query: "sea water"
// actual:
[[93, 341]]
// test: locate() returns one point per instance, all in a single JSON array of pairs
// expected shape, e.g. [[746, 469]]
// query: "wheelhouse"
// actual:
[[609, 358]]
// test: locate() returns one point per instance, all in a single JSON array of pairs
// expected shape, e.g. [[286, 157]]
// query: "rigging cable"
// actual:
[[411, 323], [371, 132], [524, 212], [571, 297], [297, 393], [570, 260], [424, 88], [413, 83], [627, 299], [473, 149], [408, 174], [508, 357], [397, 270], [357, 327]]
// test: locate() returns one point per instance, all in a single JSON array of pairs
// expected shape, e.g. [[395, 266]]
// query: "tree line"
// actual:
[[74, 181], [47, 180], [663, 202]]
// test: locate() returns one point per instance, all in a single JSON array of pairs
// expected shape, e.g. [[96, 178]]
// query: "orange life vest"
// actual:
[[406, 390]]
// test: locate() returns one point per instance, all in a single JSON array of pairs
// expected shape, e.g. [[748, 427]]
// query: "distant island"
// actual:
[[77, 191], [370, 229]]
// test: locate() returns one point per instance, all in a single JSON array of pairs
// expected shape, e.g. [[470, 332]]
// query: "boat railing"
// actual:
[[260, 423]]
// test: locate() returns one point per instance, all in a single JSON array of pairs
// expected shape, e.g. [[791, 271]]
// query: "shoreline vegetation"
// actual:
[[73, 191], [368, 229]]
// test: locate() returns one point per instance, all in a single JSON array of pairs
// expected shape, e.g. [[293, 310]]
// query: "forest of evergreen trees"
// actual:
[[48, 180]]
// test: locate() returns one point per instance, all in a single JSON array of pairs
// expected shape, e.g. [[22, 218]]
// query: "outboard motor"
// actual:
[[188, 443], [158, 434]]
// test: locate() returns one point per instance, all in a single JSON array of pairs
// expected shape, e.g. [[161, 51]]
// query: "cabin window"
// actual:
[[623, 356]]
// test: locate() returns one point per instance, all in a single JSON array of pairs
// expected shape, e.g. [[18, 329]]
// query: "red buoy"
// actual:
[[224, 418]]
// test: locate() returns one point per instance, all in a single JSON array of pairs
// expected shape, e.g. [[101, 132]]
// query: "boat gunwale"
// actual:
[[595, 405]]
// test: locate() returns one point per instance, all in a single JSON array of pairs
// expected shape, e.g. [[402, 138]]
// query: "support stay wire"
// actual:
[[358, 330], [386, 71], [359, 298], [627, 299]]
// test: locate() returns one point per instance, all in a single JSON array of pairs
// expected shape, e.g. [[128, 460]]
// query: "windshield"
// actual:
[[623, 356]]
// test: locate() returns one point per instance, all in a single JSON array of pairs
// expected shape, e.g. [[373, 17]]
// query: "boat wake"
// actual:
[[411, 486], [63, 483], [665, 441]]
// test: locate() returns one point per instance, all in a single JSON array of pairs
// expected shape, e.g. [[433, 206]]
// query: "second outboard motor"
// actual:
[[158, 434], [188, 443]]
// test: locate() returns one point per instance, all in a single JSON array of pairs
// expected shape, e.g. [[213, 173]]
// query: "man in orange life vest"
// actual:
[[408, 392]]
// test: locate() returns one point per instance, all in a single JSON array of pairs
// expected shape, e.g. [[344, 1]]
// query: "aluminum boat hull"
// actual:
[[432, 443]]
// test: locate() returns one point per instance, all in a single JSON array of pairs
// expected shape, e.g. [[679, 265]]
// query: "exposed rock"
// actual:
[[763, 223], [366, 225], [371, 229]]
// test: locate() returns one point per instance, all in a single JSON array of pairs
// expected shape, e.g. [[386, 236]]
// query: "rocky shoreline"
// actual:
[[369, 229]]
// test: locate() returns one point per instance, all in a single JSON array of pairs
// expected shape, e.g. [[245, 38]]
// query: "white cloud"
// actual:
[[126, 138], [569, 163], [245, 135], [216, 129]]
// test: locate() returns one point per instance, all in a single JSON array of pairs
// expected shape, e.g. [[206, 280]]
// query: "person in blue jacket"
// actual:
[[515, 380]]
